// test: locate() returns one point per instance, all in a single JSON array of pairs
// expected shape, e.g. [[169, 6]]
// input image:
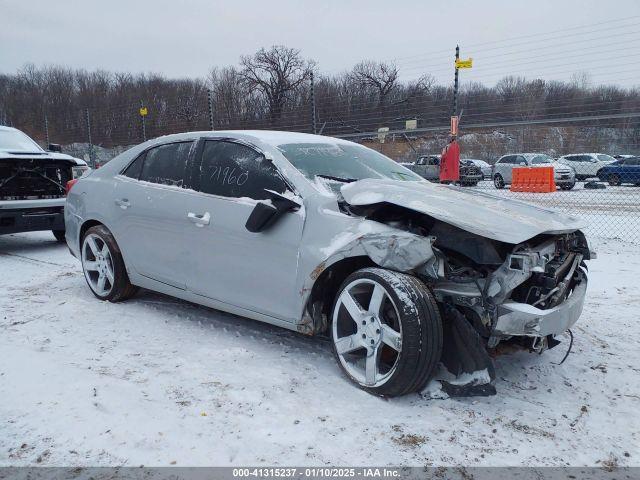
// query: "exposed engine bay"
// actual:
[[493, 291], [477, 274], [33, 179]]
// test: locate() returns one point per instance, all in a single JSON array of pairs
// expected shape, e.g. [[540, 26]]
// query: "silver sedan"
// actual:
[[321, 235]]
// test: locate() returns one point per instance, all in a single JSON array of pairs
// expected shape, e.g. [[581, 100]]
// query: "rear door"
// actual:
[[150, 203], [255, 271]]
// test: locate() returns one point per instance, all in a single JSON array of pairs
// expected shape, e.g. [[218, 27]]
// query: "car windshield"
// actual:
[[14, 140], [343, 162], [605, 158], [541, 159]]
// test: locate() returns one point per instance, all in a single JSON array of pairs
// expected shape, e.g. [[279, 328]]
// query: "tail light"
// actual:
[[70, 184]]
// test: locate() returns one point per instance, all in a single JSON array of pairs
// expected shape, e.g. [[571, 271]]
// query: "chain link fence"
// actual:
[[612, 209]]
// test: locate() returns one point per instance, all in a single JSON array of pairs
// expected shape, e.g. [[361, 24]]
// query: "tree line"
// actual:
[[272, 89]]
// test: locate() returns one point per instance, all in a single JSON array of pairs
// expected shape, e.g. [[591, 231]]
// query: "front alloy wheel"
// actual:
[[498, 181], [386, 331]]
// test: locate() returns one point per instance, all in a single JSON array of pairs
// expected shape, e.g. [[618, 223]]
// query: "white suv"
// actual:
[[564, 175], [586, 165]]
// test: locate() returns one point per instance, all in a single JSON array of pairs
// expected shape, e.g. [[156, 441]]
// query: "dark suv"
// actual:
[[428, 166]]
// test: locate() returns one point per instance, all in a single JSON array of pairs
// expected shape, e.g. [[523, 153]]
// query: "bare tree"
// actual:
[[277, 73], [379, 76]]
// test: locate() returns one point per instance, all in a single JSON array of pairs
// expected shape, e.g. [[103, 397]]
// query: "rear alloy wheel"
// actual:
[[386, 331], [614, 180], [103, 266], [498, 181], [59, 234]]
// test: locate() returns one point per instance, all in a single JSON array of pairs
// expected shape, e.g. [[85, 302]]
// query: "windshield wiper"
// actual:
[[338, 179]]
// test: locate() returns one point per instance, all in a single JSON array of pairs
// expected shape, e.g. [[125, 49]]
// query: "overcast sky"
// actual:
[[186, 38]]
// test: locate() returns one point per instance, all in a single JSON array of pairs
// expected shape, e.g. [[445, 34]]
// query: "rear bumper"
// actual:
[[31, 215], [521, 319]]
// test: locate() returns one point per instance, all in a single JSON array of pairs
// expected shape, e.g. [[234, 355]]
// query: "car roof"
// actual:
[[269, 137], [586, 153], [5, 128], [527, 155]]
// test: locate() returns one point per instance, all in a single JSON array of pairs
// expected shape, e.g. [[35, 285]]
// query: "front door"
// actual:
[[255, 271]]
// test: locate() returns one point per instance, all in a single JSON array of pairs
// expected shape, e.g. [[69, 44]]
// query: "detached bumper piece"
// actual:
[[465, 356], [523, 319]]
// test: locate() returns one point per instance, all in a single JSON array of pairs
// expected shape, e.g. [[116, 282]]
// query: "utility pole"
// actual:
[[455, 84], [143, 114], [210, 101], [313, 105], [46, 130], [88, 120]]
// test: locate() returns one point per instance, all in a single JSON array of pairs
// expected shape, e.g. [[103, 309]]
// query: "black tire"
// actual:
[[567, 186], [59, 234], [498, 181], [614, 180], [420, 324], [122, 289]]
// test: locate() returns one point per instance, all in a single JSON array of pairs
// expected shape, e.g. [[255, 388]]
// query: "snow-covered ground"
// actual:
[[156, 381]]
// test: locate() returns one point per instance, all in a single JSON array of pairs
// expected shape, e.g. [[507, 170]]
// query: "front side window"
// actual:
[[343, 162], [135, 167], [233, 170], [166, 164]]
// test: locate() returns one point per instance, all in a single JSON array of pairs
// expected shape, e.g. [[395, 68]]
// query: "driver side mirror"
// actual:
[[54, 147], [264, 215]]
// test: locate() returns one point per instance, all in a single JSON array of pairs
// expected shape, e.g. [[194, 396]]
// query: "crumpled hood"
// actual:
[[487, 215]]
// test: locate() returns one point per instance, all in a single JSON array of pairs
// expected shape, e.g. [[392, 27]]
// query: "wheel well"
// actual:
[[326, 287], [86, 226]]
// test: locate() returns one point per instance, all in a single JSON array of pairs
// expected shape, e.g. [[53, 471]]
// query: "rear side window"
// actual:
[[233, 170], [166, 164], [632, 162], [134, 169]]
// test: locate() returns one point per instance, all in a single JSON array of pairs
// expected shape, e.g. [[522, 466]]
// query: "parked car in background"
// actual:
[[428, 166], [484, 167], [564, 175], [33, 184], [626, 170], [620, 157], [317, 234], [586, 165]]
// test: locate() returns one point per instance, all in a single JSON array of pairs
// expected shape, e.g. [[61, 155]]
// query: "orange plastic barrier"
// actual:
[[533, 179]]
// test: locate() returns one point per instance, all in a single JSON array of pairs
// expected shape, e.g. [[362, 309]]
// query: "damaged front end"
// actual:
[[490, 290]]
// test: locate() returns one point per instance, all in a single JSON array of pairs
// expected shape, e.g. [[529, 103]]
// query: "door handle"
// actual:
[[123, 203], [199, 220]]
